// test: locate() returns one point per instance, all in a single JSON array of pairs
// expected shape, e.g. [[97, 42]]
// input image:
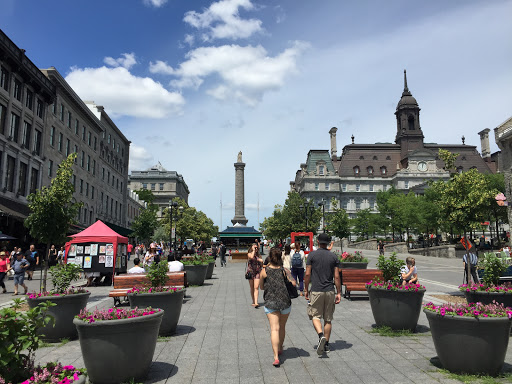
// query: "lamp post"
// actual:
[[308, 209], [322, 204], [171, 204]]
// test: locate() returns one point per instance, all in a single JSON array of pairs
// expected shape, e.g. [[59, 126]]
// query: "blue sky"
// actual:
[[191, 83]]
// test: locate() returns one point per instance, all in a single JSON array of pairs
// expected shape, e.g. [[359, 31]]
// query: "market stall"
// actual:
[[98, 250]]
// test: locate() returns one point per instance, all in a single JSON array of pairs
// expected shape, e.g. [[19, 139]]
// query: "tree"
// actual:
[[448, 159], [387, 215], [160, 235], [498, 213], [363, 223], [53, 210], [144, 225], [146, 195], [339, 222]]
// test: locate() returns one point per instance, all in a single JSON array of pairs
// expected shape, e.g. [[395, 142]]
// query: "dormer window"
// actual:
[[361, 157], [460, 169], [383, 170], [356, 171], [388, 157], [370, 171], [321, 170], [375, 158]]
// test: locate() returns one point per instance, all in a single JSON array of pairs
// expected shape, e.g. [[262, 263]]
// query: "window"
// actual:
[[344, 205], [161, 186], [460, 169], [95, 142], [383, 170], [372, 205], [77, 126], [4, 79], [361, 157], [15, 126], [144, 186], [79, 218], [388, 157], [22, 187], [406, 185], [25, 138], [61, 112], [117, 184], [327, 186], [34, 178], [29, 99], [321, 170], [108, 177], [375, 158], [87, 189], [121, 185], [82, 159], [73, 180], [92, 192], [317, 186], [370, 188], [88, 163], [94, 167], [90, 217], [54, 107], [68, 144], [410, 121], [370, 170], [37, 142], [52, 135], [9, 178], [356, 171], [40, 109], [50, 168], [117, 147], [89, 138], [83, 132], [17, 90], [358, 187], [69, 118], [152, 186], [59, 142], [358, 204], [344, 187], [102, 173], [384, 188], [81, 186], [76, 151], [3, 113], [109, 138]]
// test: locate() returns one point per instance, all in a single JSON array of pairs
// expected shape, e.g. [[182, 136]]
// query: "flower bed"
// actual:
[[136, 290], [388, 286], [55, 373], [114, 314], [69, 291], [470, 310], [485, 288], [357, 257]]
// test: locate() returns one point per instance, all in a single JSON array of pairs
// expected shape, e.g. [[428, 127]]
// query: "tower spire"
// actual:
[[406, 91]]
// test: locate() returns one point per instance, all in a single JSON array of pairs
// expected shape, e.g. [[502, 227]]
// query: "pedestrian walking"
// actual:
[[61, 255], [380, 247], [4, 267], [297, 264], [52, 256], [287, 258], [20, 266], [473, 261], [254, 266], [222, 254], [277, 301], [214, 253], [129, 250], [32, 256], [322, 271]]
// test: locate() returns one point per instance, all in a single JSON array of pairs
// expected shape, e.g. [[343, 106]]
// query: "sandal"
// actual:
[[276, 363]]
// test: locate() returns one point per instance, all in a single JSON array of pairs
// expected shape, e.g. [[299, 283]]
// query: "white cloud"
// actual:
[[155, 3], [161, 67], [247, 72], [140, 158], [127, 61], [125, 94], [222, 20], [189, 39]]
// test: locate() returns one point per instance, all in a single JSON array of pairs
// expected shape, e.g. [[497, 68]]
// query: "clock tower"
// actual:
[[409, 135]]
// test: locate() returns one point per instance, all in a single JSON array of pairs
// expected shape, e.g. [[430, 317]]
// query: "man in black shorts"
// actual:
[[322, 269]]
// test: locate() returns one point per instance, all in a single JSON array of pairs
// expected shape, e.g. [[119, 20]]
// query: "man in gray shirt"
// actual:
[[19, 266], [322, 269]]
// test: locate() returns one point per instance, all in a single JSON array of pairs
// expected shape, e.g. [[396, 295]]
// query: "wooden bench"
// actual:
[[125, 282], [356, 279]]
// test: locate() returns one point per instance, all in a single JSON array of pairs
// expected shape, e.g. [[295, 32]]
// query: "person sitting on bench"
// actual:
[[136, 268], [409, 273]]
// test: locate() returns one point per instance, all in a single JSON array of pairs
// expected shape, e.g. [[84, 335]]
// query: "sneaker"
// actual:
[[327, 348], [321, 346]]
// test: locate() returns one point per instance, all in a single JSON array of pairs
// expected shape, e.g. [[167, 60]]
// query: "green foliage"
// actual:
[[157, 273], [144, 225], [388, 332], [494, 268], [19, 340], [146, 195], [363, 223], [339, 222], [390, 267], [195, 260], [62, 276], [161, 235], [448, 158], [503, 377]]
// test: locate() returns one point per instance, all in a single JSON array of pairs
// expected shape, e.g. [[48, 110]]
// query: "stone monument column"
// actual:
[[239, 192]]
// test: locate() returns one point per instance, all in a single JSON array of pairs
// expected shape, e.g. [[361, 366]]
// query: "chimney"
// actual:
[[332, 133], [484, 142]]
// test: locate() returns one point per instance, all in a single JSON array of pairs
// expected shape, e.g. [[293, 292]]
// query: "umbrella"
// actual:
[[3, 237]]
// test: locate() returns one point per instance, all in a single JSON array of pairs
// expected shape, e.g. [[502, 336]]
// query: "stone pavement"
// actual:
[[222, 339]]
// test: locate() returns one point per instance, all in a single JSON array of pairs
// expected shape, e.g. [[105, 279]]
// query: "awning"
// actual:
[[11, 212], [121, 230]]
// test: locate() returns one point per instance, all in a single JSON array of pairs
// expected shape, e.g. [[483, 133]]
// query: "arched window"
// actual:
[[356, 170], [411, 123], [361, 157], [383, 170], [370, 170], [460, 169]]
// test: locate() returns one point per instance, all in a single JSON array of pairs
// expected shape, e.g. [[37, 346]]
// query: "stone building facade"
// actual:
[[25, 94], [503, 137], [354, 178], [165, 185], [134, 206]]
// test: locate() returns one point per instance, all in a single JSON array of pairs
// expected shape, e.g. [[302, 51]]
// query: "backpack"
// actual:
[[297, 260]]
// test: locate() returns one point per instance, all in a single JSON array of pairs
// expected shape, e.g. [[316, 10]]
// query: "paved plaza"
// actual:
[[222, 339]]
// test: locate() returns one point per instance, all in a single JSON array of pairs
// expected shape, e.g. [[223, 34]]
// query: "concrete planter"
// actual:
[[170, 302], [396, 309], [354, 265], [489, 297], [116, 351], [65, 310], [209, 271], [196, 274], [468, 344]]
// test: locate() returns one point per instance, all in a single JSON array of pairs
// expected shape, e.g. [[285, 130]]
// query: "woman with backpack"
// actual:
[[297, 264]]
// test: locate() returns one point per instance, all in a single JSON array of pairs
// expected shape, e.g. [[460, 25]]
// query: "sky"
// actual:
[[192, 83]]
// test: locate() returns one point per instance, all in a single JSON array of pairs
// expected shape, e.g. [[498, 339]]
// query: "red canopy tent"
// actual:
[[96, 234]]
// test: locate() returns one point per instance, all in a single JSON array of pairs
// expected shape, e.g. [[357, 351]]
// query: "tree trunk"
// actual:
[[44, 268]]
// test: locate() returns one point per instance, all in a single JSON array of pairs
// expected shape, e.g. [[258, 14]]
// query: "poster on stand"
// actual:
[[101, 259], [123, 260], [87, 250], [87, 261], [79, 260], [102, 249], [118, 261], [94, 249], [72, 250], [109, 261], [109, 250]]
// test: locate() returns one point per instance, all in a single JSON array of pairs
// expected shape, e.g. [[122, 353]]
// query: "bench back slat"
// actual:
[[130, 280], [359, 275]]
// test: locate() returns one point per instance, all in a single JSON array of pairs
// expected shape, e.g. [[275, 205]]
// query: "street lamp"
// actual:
[[308, 209], [171, 204], [322, 204]]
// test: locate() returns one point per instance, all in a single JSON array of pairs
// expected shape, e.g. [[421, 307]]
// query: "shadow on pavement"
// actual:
[[160, 371], [339, 345], [184, 330]]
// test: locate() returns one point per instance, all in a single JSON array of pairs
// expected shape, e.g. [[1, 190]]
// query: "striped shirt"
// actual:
[[473, 259]]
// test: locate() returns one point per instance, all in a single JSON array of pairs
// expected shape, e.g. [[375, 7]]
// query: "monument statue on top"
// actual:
[[239, 192]]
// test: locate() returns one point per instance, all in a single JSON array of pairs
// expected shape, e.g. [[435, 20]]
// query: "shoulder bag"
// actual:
[[292, 290], [248, 272]]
